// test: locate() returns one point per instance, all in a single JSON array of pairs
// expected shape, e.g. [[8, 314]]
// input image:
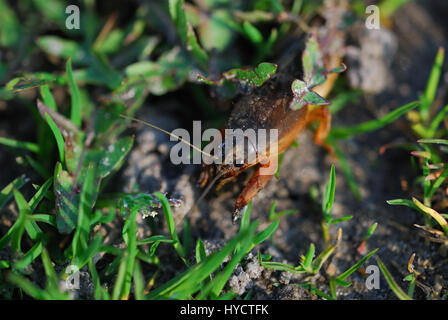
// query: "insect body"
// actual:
[[268, 107]]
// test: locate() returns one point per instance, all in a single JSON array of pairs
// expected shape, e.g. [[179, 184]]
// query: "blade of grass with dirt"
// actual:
[[52, 279], [29, 146], [139, 282], [31, 289], [328, 198], [30, 256], [307, 260], [24, 212], [389, 7], [58, 136], [356, 266], [346, 169], [436, 141], [7, 192], [214, 287], [40, 194], [47, 97], [76, 108], [347, 132], [128, 260], [433, 213], [391, 281], [170, 223], [200, 251], [440, 179], [431, 87], [187, 283], [82, 229]]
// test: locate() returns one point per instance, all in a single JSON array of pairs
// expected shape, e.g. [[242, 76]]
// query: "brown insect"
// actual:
[[268, 107]]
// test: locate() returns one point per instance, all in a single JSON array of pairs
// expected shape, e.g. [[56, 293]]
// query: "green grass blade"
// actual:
[[170, 223], [30, 288], [7, 192], [436, 141], [47, 97], [30, 146], [58, 136], [356, 266], [30, 256], [347, 132], [40, 194], [24, 212], [76, 108], [431, 87], [328, 198], [187, 282], [392, 284], [139, 282], [346, 170], [440, 179]]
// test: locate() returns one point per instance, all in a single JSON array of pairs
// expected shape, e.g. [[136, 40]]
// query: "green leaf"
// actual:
[[392, 284], [178, 16], [76, 108], [308, 259], [7, 192], [10, 27], [433, 83], [58, 136], [200, 251], [185, 284], [433, 213], [356, 266], [194, 47], [346, 169], [217, 284], [139, 282], [347, 132], [111, 157], [67, 200], [311, 59], [252, 33], [24, 212], [436, 141], [170, 223], [252, 77], [63, 48], [87, 200], [266, 233], [371, 231], [30, 256], [215, 32], [32, 147], [21, 83], [303, 96], [328, 199]]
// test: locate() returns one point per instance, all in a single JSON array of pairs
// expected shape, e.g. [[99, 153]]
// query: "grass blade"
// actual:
[[392, 284], [347, 132], [32, 147], [76, 109]]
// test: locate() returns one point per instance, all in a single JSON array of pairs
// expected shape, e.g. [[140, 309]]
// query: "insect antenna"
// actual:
[[168, 133]]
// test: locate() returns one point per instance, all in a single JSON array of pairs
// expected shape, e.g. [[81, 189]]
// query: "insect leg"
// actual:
[[256, 183], [323, 115]]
